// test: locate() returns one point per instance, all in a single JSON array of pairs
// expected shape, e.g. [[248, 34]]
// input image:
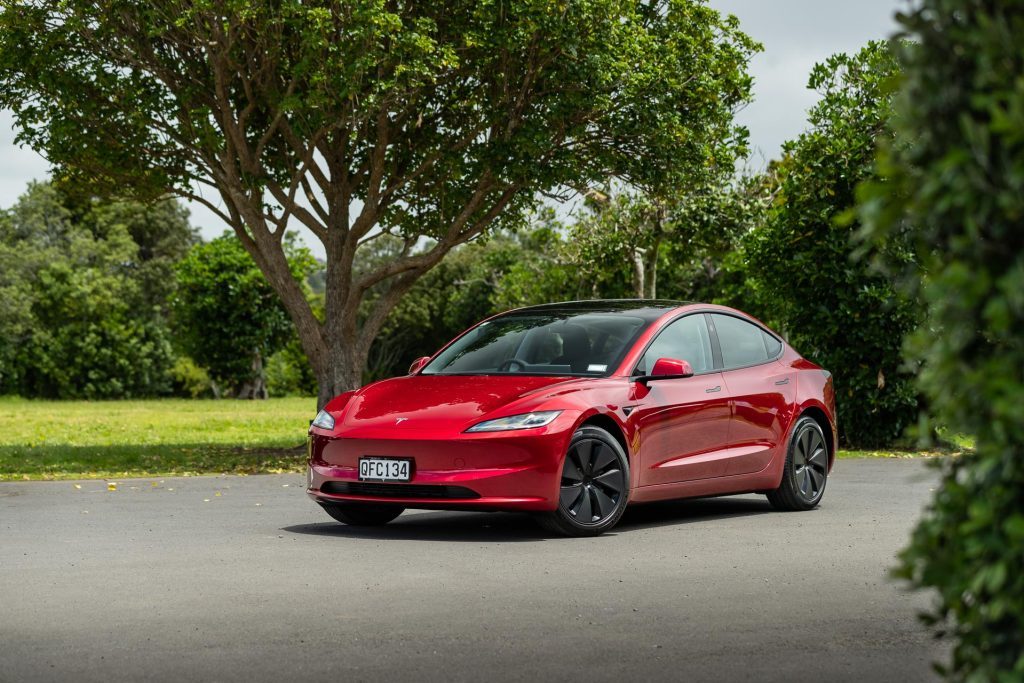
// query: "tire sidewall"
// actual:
[[801, 424], [591, 432]]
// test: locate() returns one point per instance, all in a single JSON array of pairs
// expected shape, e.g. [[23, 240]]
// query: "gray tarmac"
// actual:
[[245, 579]]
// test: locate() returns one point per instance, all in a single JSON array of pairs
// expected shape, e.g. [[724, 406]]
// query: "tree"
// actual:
[[359, 120], [668, 244], [163, 236], [227, 317], [618, 234], [836, 309], [81, 311], [951, 184]]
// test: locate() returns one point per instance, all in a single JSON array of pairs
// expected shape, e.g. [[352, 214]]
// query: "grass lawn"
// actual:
[[148, 438], [171, 437]]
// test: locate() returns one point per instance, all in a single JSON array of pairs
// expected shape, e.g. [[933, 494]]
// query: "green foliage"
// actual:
[[464, 288], [652, 73], [834, 309], [533, 268], [665, 245], [441, 120], [82, 299], [288, 372], [550, 261], [954, 190], [190, 380], [227, 317]]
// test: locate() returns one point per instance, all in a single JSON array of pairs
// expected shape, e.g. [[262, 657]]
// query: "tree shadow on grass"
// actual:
[[476, 527], [54, 461]]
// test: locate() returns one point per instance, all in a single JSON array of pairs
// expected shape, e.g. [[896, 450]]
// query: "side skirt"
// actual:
[[766, 479]]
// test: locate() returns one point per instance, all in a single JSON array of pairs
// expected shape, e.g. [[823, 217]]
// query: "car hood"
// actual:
[[439, 404]]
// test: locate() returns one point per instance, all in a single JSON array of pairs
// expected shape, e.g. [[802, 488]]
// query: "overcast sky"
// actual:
[[795, 33]]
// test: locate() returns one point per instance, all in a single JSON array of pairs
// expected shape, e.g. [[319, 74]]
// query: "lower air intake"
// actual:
[[372, 489]]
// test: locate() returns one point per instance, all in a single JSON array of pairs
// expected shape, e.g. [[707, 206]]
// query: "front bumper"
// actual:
[[519, 470]]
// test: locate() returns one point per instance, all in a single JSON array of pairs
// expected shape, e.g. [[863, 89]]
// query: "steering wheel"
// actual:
[[507, 365]]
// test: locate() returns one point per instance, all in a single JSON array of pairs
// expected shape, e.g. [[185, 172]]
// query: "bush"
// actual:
[[955, 188], [190, 380], [228, 318], [82, 286], [837, 311], [289, 374]]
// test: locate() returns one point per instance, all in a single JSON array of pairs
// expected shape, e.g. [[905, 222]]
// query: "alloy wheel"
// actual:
[[593, 482], [810, 463]]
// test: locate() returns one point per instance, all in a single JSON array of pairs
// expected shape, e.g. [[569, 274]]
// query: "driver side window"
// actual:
[[685, 339]]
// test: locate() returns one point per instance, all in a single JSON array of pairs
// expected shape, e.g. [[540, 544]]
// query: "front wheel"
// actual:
[[806, 470], [363, 514], [594, 487]]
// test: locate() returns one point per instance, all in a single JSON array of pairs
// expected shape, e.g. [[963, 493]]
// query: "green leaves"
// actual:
[[83, 287], [835, 307], [953, 168], [440, 120], [226, 315]]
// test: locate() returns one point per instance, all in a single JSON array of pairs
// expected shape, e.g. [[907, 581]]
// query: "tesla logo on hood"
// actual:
[[400, 420]]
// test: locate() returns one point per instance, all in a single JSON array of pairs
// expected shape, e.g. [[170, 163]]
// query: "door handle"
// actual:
[[713, 389], [781, 382]]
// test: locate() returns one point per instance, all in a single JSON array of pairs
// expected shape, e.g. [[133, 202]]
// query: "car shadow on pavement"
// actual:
[[691, 511], [476, 527]]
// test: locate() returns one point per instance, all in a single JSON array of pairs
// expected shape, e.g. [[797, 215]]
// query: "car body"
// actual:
[[719, 422]]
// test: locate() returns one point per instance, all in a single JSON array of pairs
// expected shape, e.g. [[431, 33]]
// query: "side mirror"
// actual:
[[418, 364], [667, 368]]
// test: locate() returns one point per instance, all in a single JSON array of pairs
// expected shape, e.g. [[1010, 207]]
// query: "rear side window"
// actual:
[[685, 339], [742, 343]]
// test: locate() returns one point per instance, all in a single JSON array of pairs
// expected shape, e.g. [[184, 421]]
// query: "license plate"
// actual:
[[385, 469]]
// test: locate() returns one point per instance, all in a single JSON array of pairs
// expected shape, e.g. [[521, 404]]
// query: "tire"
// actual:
[[363, 514], [594, 488], [806, 471]]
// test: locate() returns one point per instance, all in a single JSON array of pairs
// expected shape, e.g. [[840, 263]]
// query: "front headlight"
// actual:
[[524, 421], [324, 420]]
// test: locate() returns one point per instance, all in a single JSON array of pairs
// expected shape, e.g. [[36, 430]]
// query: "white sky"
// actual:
[[795, 33]]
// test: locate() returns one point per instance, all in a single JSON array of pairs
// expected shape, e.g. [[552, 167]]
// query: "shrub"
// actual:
[[288, 373], [834, 309], [228, 318], [82, 287], [954, 185], [188, 379]]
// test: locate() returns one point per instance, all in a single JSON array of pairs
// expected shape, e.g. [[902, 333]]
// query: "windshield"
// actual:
[[588, 344]]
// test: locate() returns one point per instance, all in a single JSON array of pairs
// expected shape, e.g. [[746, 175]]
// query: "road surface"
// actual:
[[244, 578]]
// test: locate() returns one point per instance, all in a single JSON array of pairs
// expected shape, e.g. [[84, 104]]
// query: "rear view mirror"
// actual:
[[667, 368], [418, 364]]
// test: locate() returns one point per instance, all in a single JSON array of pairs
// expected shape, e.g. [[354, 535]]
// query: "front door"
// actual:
[[683, 423]]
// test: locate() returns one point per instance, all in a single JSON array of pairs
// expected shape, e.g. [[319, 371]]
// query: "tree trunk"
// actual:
[[338, 347], [638, 272], [256, 386], [652, 269], [343, 371]]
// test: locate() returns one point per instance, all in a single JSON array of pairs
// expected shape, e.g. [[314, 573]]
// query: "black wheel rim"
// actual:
[[592, 482], [810, 463]]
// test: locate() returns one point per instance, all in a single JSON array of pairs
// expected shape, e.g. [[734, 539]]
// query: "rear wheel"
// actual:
[[594, 486], [362, 514], [806, 470]]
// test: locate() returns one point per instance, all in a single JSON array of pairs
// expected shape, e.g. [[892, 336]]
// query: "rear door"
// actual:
[[761, 391], [683, 423]]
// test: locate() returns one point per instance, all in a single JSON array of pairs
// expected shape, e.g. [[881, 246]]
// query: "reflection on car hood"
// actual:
[[436, 402]]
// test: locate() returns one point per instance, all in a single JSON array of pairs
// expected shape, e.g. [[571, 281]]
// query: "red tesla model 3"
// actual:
[[573, 410]]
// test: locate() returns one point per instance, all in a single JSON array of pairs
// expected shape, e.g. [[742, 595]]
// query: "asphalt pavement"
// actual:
[[245, 579]]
